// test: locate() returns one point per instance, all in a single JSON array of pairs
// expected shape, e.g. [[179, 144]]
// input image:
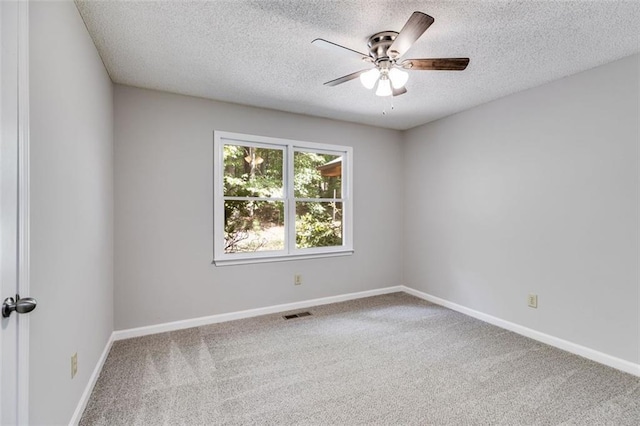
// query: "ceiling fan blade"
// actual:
[[344, 78], [340, 49], [398, 92], [412, 30], [442, 64]]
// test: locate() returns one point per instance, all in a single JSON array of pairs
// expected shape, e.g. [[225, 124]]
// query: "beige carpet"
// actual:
[[391, 359]]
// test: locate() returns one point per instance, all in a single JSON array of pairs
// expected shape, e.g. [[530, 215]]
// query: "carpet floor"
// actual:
[[391, 359]]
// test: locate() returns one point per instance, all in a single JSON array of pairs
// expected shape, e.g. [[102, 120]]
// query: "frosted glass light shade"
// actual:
[[369, 78], [384, 87], [398, 77]]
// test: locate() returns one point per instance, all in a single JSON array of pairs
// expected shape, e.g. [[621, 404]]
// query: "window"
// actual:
[[277, 199]]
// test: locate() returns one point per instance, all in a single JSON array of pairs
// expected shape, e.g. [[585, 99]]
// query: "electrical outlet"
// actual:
[[297, 279], [74, 365], [532, 300]]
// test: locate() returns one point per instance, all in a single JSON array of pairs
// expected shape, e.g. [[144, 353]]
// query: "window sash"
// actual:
[[227, 198], [289, 147]]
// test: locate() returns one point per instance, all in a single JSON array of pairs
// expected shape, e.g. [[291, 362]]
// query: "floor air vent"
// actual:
[[298, 315]]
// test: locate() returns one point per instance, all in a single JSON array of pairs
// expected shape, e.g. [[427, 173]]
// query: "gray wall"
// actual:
[[164, 211], [534, 193], [71, 109]]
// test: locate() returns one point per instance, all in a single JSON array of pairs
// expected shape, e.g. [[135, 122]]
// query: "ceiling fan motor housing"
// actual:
[[379, 44]]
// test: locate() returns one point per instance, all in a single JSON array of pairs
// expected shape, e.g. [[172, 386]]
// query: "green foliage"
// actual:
[[261, 176], [313, 230]]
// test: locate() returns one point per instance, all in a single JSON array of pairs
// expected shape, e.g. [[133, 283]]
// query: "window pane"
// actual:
[[317, 175], [252, 172], [251, 226], [318, 224]]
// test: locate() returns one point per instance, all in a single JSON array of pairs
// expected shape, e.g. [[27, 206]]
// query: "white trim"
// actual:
[[280, 258], [218, 193], [23, 208], [317, 200], [266, 141], [347, 197], [213, 319], [274, 199], [583, 351], [289, 147], [290, 204], [84, 399]]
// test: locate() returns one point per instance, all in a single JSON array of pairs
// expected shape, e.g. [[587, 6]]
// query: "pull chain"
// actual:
[[388, 101]]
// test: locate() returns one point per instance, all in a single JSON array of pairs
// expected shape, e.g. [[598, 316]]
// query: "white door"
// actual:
[[14, 95]]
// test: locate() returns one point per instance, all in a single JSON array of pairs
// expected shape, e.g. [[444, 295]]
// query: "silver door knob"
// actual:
[[21, 306]]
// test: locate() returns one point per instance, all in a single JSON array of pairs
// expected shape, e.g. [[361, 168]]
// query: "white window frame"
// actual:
[[290, 252]]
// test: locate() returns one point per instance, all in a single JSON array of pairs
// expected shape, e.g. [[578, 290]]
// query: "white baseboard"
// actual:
[[213, 319], [583, 351], [84, 399]]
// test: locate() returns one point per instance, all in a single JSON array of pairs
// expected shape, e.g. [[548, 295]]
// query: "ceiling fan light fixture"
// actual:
[[398, 78], [369, 78], [384, 86]]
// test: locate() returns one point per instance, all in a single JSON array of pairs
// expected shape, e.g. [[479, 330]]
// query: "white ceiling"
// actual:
[[260, 53]]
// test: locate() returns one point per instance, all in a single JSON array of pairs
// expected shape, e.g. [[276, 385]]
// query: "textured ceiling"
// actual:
[[260, 53]]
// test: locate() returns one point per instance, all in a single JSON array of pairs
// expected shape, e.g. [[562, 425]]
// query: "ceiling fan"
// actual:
[[385, 51]]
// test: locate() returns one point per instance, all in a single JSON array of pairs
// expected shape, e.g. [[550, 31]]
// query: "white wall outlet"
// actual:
[[297, 279], [532, 300], [74, 365]]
